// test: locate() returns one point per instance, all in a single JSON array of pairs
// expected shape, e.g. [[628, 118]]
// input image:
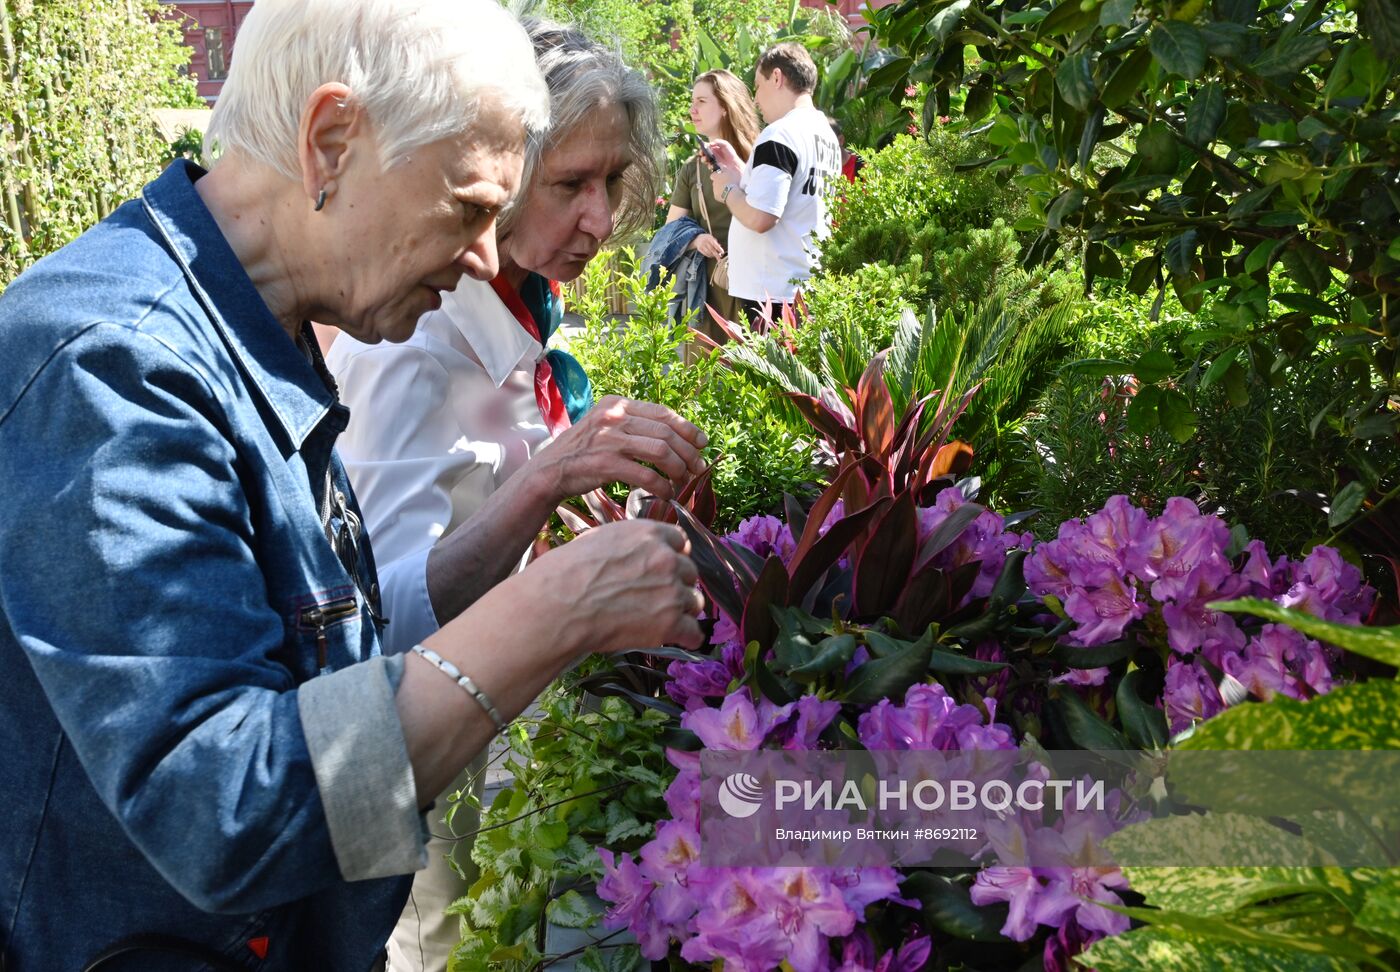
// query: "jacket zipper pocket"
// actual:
[[319, 617]]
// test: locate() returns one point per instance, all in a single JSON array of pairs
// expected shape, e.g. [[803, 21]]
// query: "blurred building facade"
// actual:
[[211, 30]]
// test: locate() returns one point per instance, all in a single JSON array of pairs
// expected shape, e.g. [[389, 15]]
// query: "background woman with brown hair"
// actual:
[[720, 107]]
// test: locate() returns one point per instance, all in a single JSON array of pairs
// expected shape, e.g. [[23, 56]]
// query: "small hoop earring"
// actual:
[[321, 200]]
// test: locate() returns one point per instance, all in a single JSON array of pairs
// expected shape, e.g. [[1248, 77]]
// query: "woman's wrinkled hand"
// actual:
[[611, 443], [622, 586], [708, 246]]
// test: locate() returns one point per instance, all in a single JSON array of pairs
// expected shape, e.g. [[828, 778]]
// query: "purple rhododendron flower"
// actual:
[[1190, 696], [1082, 677], [1067, 942], [858, 955], [736, 923], [1184, 549], [801, 729], [1191, 625], [632, 896], [1329, 587], [984, 541], [1265, 579], [1115, 540], [737, 724], [1103, 612], [930, 719], [693, 682], [765, 536]]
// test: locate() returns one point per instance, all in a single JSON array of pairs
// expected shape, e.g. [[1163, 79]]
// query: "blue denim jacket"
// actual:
[[669, 250], [199, 731]]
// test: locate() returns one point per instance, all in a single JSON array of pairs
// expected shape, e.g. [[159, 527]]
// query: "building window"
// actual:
[[214, 51]]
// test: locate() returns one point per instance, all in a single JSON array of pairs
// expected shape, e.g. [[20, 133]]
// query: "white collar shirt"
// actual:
[[437, 424]]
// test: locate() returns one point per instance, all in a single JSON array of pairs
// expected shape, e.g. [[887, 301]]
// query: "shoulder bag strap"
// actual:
[[700, 190]]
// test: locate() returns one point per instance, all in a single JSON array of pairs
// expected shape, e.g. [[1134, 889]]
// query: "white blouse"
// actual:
[[437, 424]]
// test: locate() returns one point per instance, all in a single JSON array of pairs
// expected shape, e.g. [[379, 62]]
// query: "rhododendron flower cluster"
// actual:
[[752, 918], [1119, 575], [1120, 566]]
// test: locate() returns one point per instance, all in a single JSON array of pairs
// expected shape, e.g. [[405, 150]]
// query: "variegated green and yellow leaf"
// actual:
[[1381, 913], [1353, 717], [1304, 939], [1156, 950], [1381, 644]]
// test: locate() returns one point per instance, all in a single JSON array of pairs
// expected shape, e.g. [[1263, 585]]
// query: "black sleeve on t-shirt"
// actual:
[[777, 155]]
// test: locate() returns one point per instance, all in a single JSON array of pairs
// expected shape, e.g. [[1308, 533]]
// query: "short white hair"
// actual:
[[419, 68]]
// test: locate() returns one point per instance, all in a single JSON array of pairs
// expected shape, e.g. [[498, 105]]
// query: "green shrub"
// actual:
[[82, 78], [1261, 453], [756, 452]]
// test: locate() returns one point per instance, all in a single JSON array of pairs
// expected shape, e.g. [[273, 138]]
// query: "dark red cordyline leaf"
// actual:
[[770, 590], [807, 571], [885, 561]]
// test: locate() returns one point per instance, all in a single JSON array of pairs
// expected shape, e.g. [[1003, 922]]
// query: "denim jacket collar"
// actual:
[[297, 397]]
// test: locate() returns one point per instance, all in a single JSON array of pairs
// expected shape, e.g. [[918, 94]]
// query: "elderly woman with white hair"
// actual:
[[447, 442], [211, 760]]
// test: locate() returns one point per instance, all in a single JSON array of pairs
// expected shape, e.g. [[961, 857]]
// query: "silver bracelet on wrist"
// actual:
[[724, 196], [468, 686]]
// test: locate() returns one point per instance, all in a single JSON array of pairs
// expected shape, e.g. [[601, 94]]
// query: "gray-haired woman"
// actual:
[[211, 759], [454, 476]]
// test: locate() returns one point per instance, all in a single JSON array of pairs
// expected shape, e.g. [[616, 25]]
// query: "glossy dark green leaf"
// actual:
[[1075, 80], [1084, 728], [1219, 366], [1307, 266], [1068, 17], [1127, 78], [1236, 384], [1243, 12], [1129, 38], [1262, 256], [1101, 261], [1116, 13], [1066, 204], [1179, 48], [1176, 415], [828, 656], [980, 99], [1308, 304], [1154, 365], [1096, 656], [943, 23], [1093, 127], [1380, 426], [889, 677], [1347, 503], [1223, 39], [1181, 252], [1144, 275], [1382, 21], [1206, 112], [947, 905], [1144, 723], [1142, 410], [944, 662], [1284, 61], [1158, 150], [1250, 202]]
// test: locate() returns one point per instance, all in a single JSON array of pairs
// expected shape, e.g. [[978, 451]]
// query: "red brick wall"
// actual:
[[199, 16]]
